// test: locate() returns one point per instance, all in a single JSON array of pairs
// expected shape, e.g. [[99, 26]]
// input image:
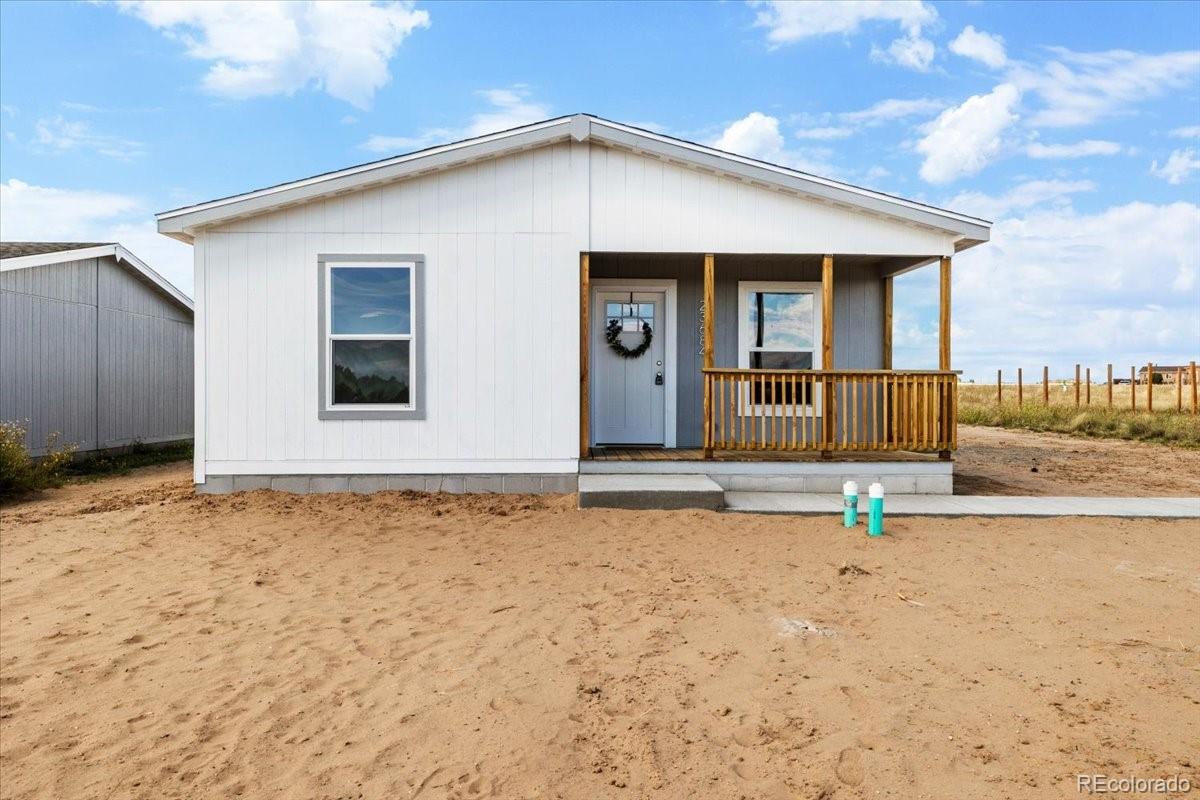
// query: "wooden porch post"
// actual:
[[584, 326], [887, 322], [710, 307], [944, 348], [829, 412], [944, 317]]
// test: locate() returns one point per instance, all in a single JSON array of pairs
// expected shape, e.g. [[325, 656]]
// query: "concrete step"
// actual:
[[650, 492]]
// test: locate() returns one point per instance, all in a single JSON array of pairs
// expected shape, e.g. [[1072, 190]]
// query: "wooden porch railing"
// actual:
[[830, 410]]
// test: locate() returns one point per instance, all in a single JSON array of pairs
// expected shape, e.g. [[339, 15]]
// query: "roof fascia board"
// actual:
[[645, 141], [162, 283], [186, 220], [57, 257], [182, 223]]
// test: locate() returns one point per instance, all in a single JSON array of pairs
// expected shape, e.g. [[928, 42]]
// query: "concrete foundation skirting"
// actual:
[[522, 483], [820, 477]]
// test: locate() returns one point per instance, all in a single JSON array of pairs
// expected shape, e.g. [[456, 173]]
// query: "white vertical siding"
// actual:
[[501, 241], [643, 204]]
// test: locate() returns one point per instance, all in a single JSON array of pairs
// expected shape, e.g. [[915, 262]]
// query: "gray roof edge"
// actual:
[[429, 159], [179, 223]]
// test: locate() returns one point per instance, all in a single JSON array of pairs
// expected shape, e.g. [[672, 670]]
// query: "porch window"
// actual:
[[779, 329], [370, 337]]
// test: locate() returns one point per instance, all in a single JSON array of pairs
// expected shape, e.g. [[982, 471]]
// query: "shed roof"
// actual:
[[18, 249], [24, 255], [181, 223]]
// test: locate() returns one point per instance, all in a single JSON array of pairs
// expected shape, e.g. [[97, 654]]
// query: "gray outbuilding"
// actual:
[[95, 347]]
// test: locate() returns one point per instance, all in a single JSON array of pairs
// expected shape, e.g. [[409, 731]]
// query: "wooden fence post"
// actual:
[[1077, 386], [1045, 386], [999, 389], [1150, 387], [1020, 389], [1133, 389], [1110, 385], [1178, 389], [1192, 370], [1088, 390]]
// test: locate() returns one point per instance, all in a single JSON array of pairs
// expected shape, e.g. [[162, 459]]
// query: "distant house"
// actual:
[[1166, 373], [95, 347], [571, 297]]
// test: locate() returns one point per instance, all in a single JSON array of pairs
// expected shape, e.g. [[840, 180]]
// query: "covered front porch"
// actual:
[[762, 358]]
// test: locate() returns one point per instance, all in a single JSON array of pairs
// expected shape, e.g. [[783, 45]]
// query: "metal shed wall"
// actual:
[[94, 353]]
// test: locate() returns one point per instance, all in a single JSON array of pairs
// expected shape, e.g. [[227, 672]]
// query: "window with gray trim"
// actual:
[[371, 337]]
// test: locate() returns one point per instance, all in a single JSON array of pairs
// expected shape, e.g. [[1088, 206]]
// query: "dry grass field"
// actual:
[[1165, 425], [158, 644]]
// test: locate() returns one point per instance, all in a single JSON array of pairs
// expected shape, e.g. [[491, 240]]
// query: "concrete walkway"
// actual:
[[970, 505]]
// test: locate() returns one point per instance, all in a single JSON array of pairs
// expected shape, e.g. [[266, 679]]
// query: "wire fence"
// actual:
[[1149, 388]]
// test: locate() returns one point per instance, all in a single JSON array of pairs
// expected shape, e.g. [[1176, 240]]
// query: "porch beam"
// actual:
[[887, 322], [710, 307], [584, 378]]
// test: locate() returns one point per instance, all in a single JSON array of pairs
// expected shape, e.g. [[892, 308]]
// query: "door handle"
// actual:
[[658, 378]]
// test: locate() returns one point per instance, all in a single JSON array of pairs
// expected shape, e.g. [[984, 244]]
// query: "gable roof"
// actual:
[[181, 223], [18, 249], [24, 255]]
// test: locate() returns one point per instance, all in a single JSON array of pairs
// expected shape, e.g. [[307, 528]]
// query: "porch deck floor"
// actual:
[[697, 454]]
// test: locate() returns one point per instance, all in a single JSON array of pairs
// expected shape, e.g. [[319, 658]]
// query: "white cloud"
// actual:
[[267, 48], [1188, 132], [1119, 285], [1080, 88], [42, 213], [892, 109], [828, 126], [1179, 165], [61, 135], [508, 108], [757, 135], [824, 133], [914, 52], [1023, 196], [791, 21], [965, 139], [983, 47], [1088, 147]]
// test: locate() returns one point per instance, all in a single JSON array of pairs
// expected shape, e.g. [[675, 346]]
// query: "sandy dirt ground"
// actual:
[[999, 461], [155, 644]]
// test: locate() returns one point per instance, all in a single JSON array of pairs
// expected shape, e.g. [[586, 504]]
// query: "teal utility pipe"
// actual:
[[875, 514], [849, 504]]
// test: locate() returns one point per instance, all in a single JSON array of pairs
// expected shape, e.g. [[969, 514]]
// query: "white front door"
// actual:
[[629, 390]]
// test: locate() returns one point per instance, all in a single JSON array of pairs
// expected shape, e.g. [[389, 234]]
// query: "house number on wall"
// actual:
[[700, 332]]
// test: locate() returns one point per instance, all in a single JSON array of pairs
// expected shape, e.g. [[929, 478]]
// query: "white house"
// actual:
[[575, 295]]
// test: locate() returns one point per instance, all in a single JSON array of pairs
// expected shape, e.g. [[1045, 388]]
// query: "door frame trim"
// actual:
[[670, 287]]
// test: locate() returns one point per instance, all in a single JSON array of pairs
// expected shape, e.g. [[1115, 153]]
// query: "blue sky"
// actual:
[[1075, 126]]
